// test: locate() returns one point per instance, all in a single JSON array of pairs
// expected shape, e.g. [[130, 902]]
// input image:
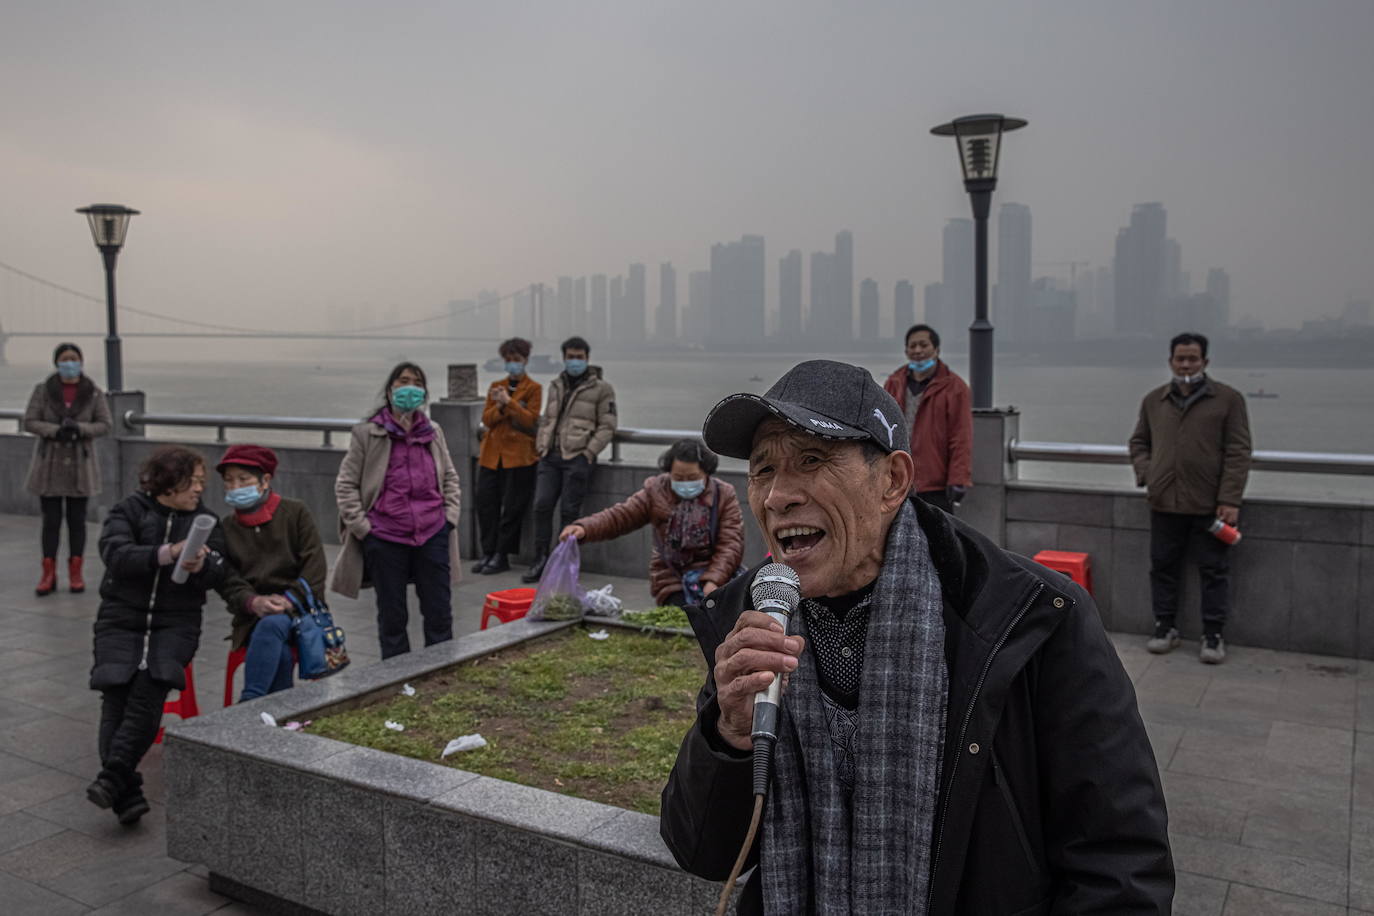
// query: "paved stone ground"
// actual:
[[1268, 763]]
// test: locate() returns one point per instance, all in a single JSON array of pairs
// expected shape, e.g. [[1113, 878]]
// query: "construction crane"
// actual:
[[1071, 265]]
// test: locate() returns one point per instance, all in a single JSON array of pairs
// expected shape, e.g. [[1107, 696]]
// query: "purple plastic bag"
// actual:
[[560, 595]]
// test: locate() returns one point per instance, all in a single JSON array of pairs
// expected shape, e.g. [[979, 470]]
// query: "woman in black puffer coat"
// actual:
[[148, 626]]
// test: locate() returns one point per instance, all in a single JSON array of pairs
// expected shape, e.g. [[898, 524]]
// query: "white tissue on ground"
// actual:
[[268, 719], [602, 603], [394, 726], [408, 690], [464, 743], [599, 634]]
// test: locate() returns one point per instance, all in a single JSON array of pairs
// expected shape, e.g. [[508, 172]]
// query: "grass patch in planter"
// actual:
[[600, 720]]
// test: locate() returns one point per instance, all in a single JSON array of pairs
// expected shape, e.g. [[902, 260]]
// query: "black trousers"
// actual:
[[391, 567], [937, 498], [1176, 540], [52, 524], [503, 498], [558, 477], [130, 715]]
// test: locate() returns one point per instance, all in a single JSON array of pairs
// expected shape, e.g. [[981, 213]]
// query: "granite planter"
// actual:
[[296, 823]]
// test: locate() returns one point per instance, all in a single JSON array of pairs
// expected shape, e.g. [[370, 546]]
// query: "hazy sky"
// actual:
[[291, 155]]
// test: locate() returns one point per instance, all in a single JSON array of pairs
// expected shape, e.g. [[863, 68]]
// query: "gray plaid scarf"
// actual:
[[821, 854]]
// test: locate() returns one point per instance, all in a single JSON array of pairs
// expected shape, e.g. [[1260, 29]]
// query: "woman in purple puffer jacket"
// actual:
[[399, 500]]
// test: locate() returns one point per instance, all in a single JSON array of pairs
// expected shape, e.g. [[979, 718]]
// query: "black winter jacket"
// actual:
[[1050, 800], [142, 611]]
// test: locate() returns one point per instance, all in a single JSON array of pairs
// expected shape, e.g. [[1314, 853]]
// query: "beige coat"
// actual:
[[65, 468], [590, 422], [360, 482]]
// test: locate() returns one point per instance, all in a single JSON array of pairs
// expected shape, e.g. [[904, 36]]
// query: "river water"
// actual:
[[1316, 409]]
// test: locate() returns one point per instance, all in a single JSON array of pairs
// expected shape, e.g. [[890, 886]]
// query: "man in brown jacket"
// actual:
[[579, 421], [1191, 449]]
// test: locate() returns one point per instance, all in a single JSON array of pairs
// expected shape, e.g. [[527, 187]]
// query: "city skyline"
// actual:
[[407, 156]]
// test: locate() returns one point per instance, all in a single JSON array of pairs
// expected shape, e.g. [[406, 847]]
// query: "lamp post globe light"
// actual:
[[109, 224], [980, 147]]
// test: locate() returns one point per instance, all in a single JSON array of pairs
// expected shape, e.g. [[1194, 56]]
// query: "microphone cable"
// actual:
[[763, 766]]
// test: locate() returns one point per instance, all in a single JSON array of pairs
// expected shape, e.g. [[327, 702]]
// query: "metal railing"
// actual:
[[1017, 450], [630, 436], [1261, 460], [221, 422]]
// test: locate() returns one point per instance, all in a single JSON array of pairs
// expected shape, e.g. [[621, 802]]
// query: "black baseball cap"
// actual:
[[827, 399]]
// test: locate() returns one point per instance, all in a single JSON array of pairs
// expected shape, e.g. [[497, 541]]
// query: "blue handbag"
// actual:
[[319, 643]]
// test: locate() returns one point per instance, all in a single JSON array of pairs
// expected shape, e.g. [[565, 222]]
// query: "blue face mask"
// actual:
[[924, 365], [515, 370], [243, 497], [575, 367], [69, 369], [689, 489], [407, 397]]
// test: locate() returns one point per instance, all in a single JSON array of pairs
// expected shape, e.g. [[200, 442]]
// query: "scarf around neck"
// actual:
[[825, 850]]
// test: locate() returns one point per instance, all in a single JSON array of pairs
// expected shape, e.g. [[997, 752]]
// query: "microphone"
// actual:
[[776, 591]]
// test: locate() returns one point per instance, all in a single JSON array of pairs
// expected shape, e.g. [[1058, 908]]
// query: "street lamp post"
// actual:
[[980, 142], [109, 223]]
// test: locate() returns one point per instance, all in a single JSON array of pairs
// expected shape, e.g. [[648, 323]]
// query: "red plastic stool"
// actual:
[[507, 605], [1077, 566], [184, 705], [236, 658]]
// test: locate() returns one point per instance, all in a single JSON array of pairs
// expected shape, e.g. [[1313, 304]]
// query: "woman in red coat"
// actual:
[[939, 410]]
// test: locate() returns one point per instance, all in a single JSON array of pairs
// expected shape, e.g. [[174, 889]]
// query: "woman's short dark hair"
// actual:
[[515, 346], [63, 348], [934, 334], [692, 452], [169, 469]]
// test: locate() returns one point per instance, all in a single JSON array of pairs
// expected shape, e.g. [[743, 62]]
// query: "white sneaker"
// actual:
[[1213, 650], [1164, 641]]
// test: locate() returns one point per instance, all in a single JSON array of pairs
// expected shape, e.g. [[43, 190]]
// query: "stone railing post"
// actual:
[[459, 415], [985, 507], [118, 472]]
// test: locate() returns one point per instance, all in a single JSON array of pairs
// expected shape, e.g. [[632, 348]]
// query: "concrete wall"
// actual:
[[1302, 578]]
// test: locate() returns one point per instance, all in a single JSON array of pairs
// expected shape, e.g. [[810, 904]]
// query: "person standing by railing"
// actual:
[[507, 460], [936, 407], [67, 412], [579, 421], [1191, 449], [399, 501]]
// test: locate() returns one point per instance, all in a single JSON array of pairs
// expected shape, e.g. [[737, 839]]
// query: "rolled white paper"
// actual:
[[200, 533]]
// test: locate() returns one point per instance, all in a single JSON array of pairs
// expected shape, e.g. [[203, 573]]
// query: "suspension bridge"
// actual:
[[33, 306]]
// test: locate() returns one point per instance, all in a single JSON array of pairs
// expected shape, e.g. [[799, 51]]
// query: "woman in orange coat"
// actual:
[[505, 482], [696, 519]]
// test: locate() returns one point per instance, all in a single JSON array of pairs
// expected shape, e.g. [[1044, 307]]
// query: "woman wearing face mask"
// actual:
[[696, 520], [66, 412], [399, 499], [505, 482], [273, 543], [148, 626]]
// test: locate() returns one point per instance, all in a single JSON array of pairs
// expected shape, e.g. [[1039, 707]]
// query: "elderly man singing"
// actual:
[[957, 736]]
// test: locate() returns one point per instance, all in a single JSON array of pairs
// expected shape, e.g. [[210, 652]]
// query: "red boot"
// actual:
[[48, 583], [74, 575]]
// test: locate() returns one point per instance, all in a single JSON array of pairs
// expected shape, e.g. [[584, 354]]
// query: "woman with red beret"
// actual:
[[273, 544]]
